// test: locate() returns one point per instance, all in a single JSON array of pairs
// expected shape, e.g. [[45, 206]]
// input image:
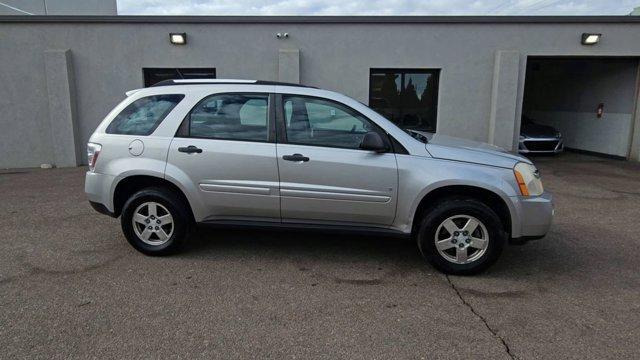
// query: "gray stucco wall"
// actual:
[[108, 59], [62, 108]]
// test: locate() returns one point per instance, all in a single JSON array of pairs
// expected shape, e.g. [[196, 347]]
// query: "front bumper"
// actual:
[[529, 145], [535, 215], [98, 189]]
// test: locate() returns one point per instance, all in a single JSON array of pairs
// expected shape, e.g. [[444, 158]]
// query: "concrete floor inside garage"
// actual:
[[70, 285]]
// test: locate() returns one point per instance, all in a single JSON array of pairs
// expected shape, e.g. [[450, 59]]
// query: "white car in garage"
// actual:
[[539, 139]]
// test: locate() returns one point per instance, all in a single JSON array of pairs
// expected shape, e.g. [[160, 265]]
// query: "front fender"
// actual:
[[421, 176]]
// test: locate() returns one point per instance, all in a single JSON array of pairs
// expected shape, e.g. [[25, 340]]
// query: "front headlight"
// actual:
[[528, 179]]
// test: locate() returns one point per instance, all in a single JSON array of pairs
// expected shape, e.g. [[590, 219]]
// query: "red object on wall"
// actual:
[[600, 110]]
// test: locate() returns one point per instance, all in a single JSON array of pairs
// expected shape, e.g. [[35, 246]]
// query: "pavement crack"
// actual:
[[484, 321]]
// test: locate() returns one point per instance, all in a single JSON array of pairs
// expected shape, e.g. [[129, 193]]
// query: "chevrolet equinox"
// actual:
[[256, 153]]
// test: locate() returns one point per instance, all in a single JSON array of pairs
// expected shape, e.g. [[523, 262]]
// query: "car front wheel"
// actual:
[[461, 236]]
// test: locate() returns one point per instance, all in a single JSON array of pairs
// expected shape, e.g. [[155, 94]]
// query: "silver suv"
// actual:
[[256, 153]]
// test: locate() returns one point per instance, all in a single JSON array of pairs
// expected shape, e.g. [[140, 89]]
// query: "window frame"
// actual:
[[184, 130], [403, 72], [148, 70], [281, 134], [156, 125]]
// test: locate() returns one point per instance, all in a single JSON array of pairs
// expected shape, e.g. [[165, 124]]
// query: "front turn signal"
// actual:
[[521, 184]]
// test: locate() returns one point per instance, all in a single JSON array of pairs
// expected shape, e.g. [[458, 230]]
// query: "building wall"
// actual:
[[565, 94], [59, 7], [107, 59]]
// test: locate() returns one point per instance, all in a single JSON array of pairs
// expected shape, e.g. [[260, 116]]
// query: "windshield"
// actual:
[[417, 134]]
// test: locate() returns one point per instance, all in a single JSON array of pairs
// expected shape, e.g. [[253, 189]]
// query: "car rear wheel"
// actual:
[[155, 221], [461, 236]]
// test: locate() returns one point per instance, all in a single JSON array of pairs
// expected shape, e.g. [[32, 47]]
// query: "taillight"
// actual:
[[93, 150]]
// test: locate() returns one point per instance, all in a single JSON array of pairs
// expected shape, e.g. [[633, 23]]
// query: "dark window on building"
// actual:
[[231, 117], [320, 122], [155, 75], [407, 97], [143, 116]]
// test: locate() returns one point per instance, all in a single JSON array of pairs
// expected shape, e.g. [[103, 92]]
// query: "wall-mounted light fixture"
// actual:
[[178, 38], [590, 39], [282, 35]]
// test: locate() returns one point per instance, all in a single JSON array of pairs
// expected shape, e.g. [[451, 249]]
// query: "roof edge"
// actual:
[[315, 19]]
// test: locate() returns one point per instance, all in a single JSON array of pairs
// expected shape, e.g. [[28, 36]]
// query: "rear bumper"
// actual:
[[101, 209], [535, 215], [98, 189]]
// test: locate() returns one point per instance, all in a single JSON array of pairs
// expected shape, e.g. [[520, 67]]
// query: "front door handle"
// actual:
[[295, 157], [190, 149]]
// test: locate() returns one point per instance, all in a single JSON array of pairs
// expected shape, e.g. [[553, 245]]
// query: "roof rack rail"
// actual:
[[224, 81]]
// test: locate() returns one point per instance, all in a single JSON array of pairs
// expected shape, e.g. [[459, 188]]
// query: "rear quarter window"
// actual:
[[143, 116]]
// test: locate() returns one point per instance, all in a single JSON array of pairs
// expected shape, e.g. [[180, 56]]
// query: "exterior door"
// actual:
[[226, 149], [324, 176]]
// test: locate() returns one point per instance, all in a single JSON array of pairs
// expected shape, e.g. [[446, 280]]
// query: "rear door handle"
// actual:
[[190, 149], [295, 157]]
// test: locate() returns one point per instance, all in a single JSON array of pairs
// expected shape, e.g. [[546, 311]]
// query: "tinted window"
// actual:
[[408, 98], [313, 121], [231, 117], [143, 116], [155, 75]]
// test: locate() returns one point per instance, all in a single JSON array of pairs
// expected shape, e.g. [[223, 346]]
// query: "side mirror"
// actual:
[[372, 141]]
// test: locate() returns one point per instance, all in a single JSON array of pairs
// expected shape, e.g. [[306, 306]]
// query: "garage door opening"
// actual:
[[589, 101]]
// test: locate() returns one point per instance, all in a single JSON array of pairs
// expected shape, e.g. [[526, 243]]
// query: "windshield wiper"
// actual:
[[416, 135]]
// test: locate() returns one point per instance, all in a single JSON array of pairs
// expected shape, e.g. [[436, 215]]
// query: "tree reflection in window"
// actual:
[[407, 97]]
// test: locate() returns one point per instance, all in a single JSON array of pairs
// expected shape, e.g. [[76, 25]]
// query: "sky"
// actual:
[[376, 7]]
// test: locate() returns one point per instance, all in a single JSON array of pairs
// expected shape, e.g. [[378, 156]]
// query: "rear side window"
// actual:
[[231, 117], [143, 116]]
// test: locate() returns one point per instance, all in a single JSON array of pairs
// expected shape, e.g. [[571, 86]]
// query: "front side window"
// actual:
[[320, 122], [407, 97], [143, 116], [231, 117]]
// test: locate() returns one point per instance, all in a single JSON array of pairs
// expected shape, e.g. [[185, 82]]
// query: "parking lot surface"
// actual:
[[71, 286]]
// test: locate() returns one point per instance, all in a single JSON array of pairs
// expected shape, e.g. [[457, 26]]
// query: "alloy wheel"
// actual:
[[461, 239], [153, 223]]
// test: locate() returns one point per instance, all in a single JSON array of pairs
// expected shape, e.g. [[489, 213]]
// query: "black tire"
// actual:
[[175, 206], [447, 208]]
